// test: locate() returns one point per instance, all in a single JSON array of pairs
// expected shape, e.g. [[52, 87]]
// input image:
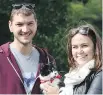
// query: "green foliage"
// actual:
[[55, 17], [52, 22]]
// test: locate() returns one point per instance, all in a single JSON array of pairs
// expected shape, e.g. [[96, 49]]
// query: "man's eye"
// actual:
[[19, 24], [30, 23], [84, 45]]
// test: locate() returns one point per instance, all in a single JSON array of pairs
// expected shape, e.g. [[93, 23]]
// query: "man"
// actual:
[[20, 61]]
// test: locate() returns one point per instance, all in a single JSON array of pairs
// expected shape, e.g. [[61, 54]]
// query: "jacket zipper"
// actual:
[[28, 93], [17, 75]]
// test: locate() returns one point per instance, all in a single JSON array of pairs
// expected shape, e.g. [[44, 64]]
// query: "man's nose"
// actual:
[[25, 28]]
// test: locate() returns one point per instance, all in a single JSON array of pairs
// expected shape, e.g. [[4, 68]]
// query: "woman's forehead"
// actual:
[[79, 38]]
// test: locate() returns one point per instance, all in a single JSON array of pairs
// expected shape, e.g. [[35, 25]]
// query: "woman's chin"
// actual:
[[81, 63]]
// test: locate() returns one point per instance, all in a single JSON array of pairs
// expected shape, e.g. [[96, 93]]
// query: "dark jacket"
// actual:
[[91, 85], [10, 82]]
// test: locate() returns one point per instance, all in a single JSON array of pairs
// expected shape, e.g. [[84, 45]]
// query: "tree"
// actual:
[[55, 18]]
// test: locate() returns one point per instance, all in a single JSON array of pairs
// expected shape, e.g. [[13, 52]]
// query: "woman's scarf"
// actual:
[[75, 77]]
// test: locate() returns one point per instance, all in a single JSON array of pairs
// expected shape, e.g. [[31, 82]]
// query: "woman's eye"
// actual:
[[74, 47]]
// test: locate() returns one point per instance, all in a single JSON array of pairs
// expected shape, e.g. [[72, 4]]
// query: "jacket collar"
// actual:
[[43, 53], [5, 49]]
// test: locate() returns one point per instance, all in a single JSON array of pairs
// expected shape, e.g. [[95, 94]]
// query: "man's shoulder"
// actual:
[[41, 50], [4, 47], [44, 53]]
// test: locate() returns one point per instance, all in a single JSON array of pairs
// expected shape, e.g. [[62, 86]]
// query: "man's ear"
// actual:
[[10, 25]]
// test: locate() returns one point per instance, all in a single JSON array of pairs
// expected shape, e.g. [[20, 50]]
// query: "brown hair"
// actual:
[[23, 10], [94, 36]]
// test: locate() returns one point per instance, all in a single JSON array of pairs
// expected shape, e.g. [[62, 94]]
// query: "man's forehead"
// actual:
[[22, 17]]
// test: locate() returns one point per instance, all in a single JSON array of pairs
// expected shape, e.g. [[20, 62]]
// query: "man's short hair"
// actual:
[[25, 9]]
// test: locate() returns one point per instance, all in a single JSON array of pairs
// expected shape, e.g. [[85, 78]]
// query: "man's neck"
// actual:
[[24, 49]]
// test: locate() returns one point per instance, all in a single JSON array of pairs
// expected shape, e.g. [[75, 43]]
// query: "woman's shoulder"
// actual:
[[94, 74], [96, 84], [99, 72]]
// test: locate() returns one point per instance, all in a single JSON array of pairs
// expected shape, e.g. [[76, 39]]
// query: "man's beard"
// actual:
[[23, 43]]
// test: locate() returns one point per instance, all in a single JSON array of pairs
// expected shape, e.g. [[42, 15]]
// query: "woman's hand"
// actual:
[[49, 89]]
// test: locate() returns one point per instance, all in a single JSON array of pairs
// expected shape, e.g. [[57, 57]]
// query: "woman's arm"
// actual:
[[96, 85]]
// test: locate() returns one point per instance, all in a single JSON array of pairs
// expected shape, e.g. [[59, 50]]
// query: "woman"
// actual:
[[85, 61]]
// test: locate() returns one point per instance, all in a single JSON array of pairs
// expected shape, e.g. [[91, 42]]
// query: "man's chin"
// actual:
[[26, 43]]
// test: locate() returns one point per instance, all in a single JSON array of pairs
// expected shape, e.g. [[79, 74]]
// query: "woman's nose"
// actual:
[[80, 50]]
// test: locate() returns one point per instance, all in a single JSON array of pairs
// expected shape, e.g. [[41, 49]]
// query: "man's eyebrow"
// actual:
[[26, 22], [31, 21]]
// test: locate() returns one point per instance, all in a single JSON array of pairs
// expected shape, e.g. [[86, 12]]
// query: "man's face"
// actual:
[[23, 27]]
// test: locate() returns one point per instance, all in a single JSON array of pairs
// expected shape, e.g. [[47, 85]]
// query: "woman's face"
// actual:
[[82, 49]]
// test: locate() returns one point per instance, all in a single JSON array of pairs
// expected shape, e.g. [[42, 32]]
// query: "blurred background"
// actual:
[[55, 18]]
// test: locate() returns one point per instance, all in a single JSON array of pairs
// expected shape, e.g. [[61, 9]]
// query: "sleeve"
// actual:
[[96, 85]]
